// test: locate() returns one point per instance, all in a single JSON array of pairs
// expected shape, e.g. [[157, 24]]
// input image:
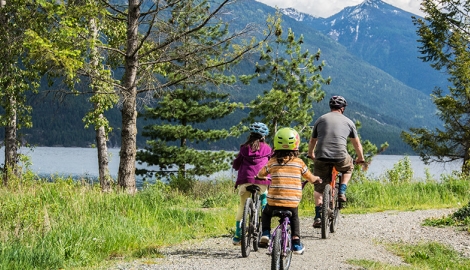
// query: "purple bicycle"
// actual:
[[280, 247]]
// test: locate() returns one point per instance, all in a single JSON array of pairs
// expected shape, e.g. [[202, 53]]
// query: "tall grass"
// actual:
[[66, 224], [397, 190], [69, 224]]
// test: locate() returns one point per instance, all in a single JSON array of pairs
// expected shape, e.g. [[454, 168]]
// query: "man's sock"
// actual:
[[342, 188]]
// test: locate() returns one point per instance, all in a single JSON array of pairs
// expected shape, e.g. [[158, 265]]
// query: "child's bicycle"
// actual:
[[280, 247], [251, 221]]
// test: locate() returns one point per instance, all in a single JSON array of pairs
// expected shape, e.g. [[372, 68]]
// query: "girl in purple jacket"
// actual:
[[253, 155]]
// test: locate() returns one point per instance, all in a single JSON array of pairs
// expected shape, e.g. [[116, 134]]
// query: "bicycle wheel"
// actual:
[[276, 259], [257, 224], [336, 207], [287, 257], [245, 228], [325, 212]]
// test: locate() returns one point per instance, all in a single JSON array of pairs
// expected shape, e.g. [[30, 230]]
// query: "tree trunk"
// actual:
[[103, 162], [101, 136], [466, 162], [126, 174], [11, 147]]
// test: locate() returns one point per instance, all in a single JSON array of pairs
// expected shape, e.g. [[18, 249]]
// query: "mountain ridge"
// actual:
[[384, 36], [383, 104]]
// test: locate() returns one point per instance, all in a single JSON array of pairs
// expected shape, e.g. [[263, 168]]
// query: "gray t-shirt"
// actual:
[[332, 131]]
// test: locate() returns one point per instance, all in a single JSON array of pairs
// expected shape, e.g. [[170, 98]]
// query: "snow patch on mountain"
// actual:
[[296, 15]]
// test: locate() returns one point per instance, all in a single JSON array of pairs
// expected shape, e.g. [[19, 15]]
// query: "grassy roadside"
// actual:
[[71, 225]]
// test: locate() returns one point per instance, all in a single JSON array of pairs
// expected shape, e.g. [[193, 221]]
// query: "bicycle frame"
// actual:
[[251, 221], [283, 224], [334, 175], [281, 259], [330, 205]]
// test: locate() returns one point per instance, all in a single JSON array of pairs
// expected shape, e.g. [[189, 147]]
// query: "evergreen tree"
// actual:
[[296, 83], [177, 114], [296, 86], [445, 42]]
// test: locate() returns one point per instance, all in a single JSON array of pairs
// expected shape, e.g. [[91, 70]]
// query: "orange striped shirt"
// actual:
[[286, 181]]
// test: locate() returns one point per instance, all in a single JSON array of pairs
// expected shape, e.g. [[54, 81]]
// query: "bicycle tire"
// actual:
[[245, 228], [257, 223], [276, 259], [286, 259], [325, 212], [336, 207]]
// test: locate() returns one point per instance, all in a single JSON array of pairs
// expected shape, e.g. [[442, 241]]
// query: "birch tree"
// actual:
[[16, 77], [70, 47], [160, 39]]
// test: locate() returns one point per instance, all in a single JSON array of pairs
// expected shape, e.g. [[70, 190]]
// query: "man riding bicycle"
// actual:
[[327, 147]]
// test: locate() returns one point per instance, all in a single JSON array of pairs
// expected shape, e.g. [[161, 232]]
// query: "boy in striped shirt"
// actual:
[[285, 191]]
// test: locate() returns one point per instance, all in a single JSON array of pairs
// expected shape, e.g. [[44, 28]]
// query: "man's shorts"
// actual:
[[322, 168]]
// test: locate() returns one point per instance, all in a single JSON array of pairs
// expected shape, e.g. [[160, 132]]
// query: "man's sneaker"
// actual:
[[236, 241], [317, 223], [342, 197], [298, 249], [264, 241]]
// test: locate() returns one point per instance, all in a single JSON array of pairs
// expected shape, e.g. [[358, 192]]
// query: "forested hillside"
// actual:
[[384, 105]]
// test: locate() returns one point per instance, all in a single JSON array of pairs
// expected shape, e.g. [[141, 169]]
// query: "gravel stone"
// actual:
[[358, 236]]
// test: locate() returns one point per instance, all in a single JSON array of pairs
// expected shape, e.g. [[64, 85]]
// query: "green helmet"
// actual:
[[286, 139]]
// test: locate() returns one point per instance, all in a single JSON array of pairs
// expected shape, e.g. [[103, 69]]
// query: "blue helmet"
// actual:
[[259, 128]]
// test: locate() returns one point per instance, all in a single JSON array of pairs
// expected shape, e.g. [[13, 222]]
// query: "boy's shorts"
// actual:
[[322, 168]]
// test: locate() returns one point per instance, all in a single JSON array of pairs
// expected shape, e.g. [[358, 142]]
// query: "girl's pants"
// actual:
[[245, 195]]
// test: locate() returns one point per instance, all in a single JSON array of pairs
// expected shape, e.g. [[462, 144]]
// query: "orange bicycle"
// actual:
[[331, 205]]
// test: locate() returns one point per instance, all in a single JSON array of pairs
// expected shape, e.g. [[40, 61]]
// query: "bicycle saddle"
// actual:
[[282, 213], [252, 188]]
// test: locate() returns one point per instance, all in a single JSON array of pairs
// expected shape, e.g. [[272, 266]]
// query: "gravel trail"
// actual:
[[358, 237]]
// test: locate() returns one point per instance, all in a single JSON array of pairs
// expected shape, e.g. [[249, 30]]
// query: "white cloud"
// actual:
[[326, 8]]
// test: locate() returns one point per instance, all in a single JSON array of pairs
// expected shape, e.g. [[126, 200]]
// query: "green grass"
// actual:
[[420, 256], [72, 225], [69, 225], [376, 195]]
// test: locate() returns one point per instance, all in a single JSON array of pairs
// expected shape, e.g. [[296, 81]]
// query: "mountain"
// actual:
[[382, 35], [384, 104]]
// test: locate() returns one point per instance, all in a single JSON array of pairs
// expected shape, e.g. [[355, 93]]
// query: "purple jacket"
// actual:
[[249, 163]]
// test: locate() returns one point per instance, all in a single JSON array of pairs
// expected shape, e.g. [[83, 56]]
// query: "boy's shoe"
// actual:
[[236, 241], [342, 197], [317, 223], [264, 241], [298, 249]]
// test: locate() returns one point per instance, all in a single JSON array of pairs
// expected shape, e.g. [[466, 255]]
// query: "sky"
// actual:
[[326, 8]]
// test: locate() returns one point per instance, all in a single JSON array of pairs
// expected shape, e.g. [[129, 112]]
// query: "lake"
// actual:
[[83, 162]]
